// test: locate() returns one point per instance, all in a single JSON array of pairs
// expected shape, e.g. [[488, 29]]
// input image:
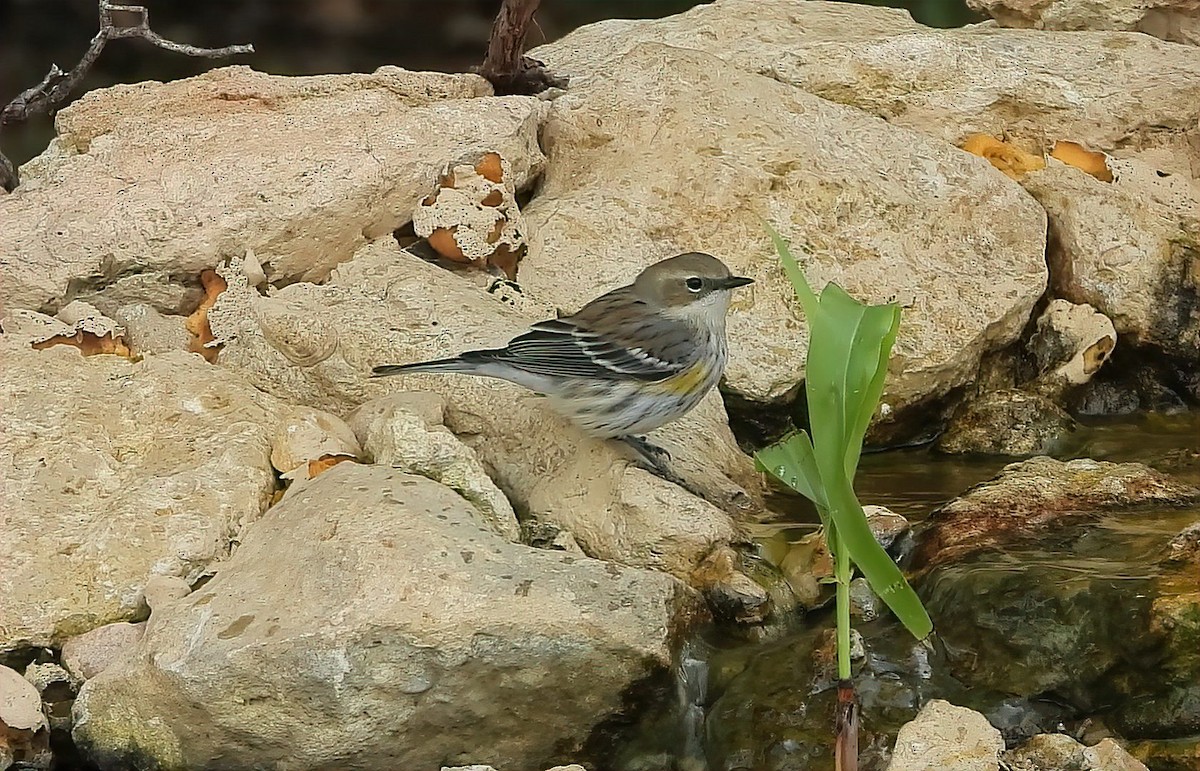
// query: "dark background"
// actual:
[[299, 37]]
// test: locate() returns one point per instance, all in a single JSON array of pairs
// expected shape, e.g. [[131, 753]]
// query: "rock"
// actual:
[[1058, 752], [1177, 21], [386, 306], [189, 172], [24, 732], [1070, 345], [1029, 497], [376, 620], [865, 605], [118, 471], [732, 594], [1129, 248], [307, 442], [147, 331], [160, 590], [806, 564], [1185, 547], [657, 149], [946, 736], [1008, 422], [412, 440], [92, 652], [56, 688]]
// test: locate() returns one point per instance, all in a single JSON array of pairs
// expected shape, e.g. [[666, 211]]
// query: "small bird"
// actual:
[[629, 361]]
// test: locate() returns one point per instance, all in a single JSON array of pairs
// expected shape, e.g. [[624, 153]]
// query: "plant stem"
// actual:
[[841, 571]]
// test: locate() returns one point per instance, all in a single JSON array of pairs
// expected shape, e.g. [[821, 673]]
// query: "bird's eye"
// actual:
[[694, 284]]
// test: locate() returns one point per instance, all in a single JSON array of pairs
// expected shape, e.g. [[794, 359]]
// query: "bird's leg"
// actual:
[[647, 451]]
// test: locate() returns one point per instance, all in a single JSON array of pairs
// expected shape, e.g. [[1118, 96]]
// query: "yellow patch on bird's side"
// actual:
[[686, 381]]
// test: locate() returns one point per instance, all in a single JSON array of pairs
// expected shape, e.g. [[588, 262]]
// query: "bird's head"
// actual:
[[694, 286]]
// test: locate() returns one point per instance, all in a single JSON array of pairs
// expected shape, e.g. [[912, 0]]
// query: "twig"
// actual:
[[57, 85], [508, 70]]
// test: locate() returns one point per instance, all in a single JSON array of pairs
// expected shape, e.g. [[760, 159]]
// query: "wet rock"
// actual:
[[24, 732], [1008, 422], [1185, 547], [849, 190], [375, 619], [1166, 755], [92, 652], [164, 178], [1028, 498], [732, 594], [147, 331], [1070, 345], [387, 306], [118, 471], [1177, 21], [397, 433], [945, 736], [1058, 752], [865, 605]]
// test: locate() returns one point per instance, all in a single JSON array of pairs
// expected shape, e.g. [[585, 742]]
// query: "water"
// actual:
[[1065, 632]]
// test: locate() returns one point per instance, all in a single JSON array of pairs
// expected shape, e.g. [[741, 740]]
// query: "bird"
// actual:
[[628, 362]]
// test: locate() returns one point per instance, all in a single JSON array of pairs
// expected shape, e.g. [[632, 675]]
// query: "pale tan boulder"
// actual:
[[373, 621], [117, 471], [316, 345], [148, 184], [944, 736], [657, 150], [1175, 20]]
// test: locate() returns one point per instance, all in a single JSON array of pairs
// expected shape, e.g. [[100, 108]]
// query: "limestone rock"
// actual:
[[1028, 497], [161, 590], [396, 435], [1070, 345], [1175, 20], [656, 150], [24, 732], [387, 306], [1056, 752], [117, 471], [303, 170], [946, 736], [370, 621], [147, 331], [307, 442], [1007, 422], [1185, 547], [92, 652], [1129, 248]]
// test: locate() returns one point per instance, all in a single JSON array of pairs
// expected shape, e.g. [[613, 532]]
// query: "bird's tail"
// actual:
[[456, 364]]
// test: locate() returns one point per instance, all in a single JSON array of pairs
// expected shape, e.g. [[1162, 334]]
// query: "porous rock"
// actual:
[[303, 170], [658, 149], [1057, 752], [24, 731], [387, 306], [1071, 343], [401, 431], [117, 471], [947, 736], [372, 620]]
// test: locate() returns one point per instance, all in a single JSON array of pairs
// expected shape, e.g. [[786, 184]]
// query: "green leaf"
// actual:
[[845, 371]]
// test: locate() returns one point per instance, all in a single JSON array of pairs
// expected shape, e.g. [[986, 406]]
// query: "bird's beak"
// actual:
[[733, 282]]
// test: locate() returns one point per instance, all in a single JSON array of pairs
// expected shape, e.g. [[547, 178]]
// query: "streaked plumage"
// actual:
[[629, 361]]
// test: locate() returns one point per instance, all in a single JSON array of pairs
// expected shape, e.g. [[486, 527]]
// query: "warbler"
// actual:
[[629, 361]]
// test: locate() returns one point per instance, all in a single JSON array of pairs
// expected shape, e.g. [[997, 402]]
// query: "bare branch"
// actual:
[[57, 85], [508, 70]]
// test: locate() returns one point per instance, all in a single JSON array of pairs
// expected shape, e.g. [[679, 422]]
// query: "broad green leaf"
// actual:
[[846, 366], [792, 461]]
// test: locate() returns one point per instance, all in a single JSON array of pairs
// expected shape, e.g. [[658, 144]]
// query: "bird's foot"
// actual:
[[654, 459]]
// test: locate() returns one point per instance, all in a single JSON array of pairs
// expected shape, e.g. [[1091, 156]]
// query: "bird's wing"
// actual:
[[573, 346]]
